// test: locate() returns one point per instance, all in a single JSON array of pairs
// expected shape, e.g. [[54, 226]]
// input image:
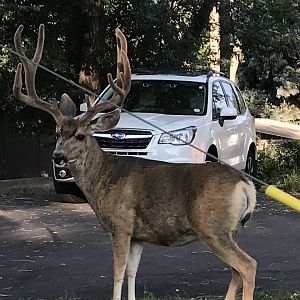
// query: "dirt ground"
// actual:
[[50, 249]]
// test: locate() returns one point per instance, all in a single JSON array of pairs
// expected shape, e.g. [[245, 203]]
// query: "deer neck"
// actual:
[[87, 168]]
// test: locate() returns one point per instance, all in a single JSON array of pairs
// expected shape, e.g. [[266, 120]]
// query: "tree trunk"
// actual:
[[214, 37], [236, 57], [94, 39], [225, 34]]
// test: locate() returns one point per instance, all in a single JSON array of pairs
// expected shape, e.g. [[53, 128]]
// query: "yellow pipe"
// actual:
[[283, 197]]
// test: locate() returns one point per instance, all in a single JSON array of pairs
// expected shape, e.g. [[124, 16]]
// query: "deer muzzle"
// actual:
[[59, 159]]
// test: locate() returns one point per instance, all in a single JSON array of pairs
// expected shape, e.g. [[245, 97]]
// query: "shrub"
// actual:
[[279, 164], [262, 107], [257, 102], [284, 112]]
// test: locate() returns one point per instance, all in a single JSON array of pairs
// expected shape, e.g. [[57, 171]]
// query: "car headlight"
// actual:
[[178, 137]]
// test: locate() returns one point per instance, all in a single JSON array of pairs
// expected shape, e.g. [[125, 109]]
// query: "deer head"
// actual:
[[73, 132]]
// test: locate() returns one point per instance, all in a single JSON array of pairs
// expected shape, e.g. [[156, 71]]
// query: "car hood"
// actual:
[[165, 122]]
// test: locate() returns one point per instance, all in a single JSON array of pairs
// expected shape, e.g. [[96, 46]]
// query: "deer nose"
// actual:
[[58, 158]]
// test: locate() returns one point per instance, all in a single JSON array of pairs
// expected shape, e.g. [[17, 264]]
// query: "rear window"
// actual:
[[165, 97]]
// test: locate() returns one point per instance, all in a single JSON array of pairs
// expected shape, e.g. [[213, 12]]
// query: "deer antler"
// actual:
[[30, 68], [122, 84]]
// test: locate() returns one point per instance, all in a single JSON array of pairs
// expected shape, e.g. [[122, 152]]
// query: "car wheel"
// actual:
[[213, 158], [251, 164]]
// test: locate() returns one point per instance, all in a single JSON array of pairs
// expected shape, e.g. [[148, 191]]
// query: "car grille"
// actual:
[[124, 139], [122, 153]]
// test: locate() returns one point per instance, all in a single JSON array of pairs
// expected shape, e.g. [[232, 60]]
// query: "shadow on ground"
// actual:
[[49, 248]]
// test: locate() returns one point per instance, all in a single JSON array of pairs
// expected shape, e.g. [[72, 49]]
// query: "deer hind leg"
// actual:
[[120, 245], [235, 285], [135, 252], [246, 267], [223, 245]]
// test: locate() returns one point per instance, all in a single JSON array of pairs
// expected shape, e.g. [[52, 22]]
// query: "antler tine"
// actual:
[[121, 46], [122, 84], [30, 68], [123, 66], [123, 81]]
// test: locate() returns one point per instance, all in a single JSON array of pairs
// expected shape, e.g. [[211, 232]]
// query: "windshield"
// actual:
[[165, 97]]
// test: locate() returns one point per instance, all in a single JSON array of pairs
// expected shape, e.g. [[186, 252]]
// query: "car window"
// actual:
[[219, 99], [242, 103], [231, 97], [167, 97]]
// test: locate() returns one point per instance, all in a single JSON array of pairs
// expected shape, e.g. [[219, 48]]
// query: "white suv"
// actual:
[[206, 111]]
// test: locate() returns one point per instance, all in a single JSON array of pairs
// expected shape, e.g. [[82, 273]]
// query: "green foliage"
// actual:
[[54, 14], [160, 33], [148, 296], [288, 82], [284, 112], [257, 102], [281, 294], [279, 164], [269, 32], [166, 35], [261, 107]]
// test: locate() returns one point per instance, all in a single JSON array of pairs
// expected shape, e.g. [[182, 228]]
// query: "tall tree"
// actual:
[[269, 33], [161, 33], [214, 39], [225, 33], [93, 46], [236, 58], [230, 46], [61, 20]]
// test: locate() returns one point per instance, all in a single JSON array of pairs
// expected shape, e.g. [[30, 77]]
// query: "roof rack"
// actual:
[[196, 72], [212, 72]]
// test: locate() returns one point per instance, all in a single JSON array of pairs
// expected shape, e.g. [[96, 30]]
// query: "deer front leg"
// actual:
[[135, 252], [120, 245]]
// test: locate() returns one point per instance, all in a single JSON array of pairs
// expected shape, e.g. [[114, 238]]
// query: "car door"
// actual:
[[225, 135], [246, 123], [241, 125]]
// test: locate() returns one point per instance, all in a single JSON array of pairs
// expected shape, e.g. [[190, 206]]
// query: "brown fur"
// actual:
[[139, 200]]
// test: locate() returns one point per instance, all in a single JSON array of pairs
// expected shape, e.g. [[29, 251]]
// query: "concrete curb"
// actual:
[[27, 186], [42, 186]]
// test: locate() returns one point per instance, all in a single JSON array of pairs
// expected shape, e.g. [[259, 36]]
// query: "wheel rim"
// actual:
[[250, 164]]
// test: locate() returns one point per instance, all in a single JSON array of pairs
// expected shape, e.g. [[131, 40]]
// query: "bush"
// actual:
[[257, 102], [284, 112], [261, 107], [279, 164]]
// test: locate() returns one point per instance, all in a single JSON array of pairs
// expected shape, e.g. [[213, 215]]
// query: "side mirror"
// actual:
[[227, 113], [83, 107]]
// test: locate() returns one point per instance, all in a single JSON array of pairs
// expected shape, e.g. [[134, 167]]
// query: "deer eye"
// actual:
[[79, 136]]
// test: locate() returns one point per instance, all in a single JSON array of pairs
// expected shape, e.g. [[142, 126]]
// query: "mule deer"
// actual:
[[139, 200]]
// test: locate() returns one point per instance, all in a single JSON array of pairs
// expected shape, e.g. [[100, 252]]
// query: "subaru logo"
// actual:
[[118, 135]]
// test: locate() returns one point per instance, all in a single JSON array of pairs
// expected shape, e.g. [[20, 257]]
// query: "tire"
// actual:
[[208, 158], [251, 164]]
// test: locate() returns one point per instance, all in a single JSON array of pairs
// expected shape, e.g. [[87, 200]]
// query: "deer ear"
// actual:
[[107, 121], [67, 106]]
